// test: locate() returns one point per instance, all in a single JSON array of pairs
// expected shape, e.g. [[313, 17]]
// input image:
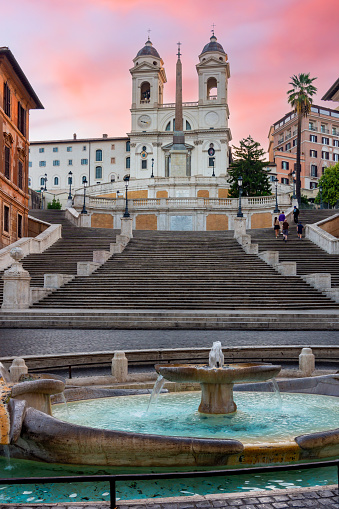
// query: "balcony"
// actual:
[[312, 128], [288, 136], [325, 131], [280, 141]]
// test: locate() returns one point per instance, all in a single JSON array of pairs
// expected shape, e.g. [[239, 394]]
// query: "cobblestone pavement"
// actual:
[[319, 498], [56, 341]]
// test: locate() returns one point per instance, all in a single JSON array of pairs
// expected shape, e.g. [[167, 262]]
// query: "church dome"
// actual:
[[148, 50], [213, 45]]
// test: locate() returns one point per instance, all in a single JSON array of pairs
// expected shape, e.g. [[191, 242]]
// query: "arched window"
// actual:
[[188, 126], [128, 146], [128, 162], [168, 127], [145, 92], [98, 172], [212, 92], [56, 181], [98, 155], [112, 177]]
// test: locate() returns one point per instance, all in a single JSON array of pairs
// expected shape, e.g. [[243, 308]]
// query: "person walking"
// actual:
[[285, 230], [295, 214], [300, 228], [282, 218], [276, 227]]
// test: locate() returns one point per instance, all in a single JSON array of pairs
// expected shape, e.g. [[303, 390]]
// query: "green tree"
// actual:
[[248, 163], [54, 204], [300, 98], [329, 183]]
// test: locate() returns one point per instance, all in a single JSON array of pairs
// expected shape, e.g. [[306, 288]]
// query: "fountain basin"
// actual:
[[217, 383]]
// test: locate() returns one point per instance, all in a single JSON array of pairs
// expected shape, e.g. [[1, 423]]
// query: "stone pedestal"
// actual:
[[126, 227], [287, 268], [270, 257], [306, 362], [319, 280], [178, 163], [120, 366], [17, 369], [239, 226], [217, 399], [16, 293]]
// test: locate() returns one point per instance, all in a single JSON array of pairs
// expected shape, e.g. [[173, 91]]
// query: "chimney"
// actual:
[[105, 136], [74, 136]]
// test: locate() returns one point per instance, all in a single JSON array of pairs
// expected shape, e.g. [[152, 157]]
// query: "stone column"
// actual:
[[239, 226], [126, 227], [16, 283], [120, 366]]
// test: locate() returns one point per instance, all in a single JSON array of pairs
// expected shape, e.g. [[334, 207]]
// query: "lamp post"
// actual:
[[84, 211], [240, 214], [152, 176], [126, 180], [293, 178], [70, 184], [321, 196], [213, 174], [45, 178], [276, 210], [42, 197]]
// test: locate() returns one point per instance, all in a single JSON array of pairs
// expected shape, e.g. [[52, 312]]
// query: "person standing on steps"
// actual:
[[300, 228], [282, 218], [295, 214], [285, 230], [276, 227]]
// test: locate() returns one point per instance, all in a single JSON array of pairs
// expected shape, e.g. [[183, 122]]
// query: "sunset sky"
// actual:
[[77, 55]]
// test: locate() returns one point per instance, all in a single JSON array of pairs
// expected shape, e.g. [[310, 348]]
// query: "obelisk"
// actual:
[[178, 151]]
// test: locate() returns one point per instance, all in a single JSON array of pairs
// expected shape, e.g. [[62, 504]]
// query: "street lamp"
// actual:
[[321, 196], [42, 197], [84, 181], [126, 180], [213, 174], [45, 178], [240, 214], [118, 192], [152, 176], [293, 177], [70, 184], [276, 210]]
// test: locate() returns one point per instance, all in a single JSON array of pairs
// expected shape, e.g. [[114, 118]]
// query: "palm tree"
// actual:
[[300, 98]]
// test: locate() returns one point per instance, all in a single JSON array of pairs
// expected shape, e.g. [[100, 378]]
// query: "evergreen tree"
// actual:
[[330, 186], [248, 163], [55, 204]]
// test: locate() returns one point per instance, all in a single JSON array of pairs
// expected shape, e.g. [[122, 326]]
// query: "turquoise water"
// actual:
[[83, 492], [260, 416]]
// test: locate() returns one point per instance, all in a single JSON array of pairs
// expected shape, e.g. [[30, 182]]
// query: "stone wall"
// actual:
[[217, 222], [331, 226], [146, 222], [261, 220], [102, 220]]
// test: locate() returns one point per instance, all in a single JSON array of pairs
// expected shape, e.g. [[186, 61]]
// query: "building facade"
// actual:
[[319, 145], [17, 97]]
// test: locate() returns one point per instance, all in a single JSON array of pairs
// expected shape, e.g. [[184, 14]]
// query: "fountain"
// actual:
[[36, 434], [217, 379]]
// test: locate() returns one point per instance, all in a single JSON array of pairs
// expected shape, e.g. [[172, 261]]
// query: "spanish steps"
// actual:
[[173, 270]]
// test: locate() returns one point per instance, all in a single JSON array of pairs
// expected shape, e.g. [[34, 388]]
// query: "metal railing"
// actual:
[[114, 478]]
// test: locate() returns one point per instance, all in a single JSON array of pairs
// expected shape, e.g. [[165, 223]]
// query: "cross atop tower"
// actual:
[[179, 44], [213, 26], [149, 33]]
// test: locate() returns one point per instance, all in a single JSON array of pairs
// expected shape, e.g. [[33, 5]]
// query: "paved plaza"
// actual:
[[58, 341]]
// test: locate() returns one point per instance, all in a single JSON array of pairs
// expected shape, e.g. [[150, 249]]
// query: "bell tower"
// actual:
[[148, 78], [213, 72]]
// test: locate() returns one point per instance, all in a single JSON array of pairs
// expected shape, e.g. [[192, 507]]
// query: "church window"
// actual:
[[98, 172], [56, 181], [168, 127], [128, 162], [212, 92], [98, 155], [188, 126], [128, 146], [145, 92], [144, 164]]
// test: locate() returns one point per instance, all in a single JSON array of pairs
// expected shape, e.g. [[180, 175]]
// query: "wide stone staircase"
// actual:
[[186, 271], [309, 257], [76, 244]]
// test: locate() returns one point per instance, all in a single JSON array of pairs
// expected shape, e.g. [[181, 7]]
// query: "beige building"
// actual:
[[319, 145]]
